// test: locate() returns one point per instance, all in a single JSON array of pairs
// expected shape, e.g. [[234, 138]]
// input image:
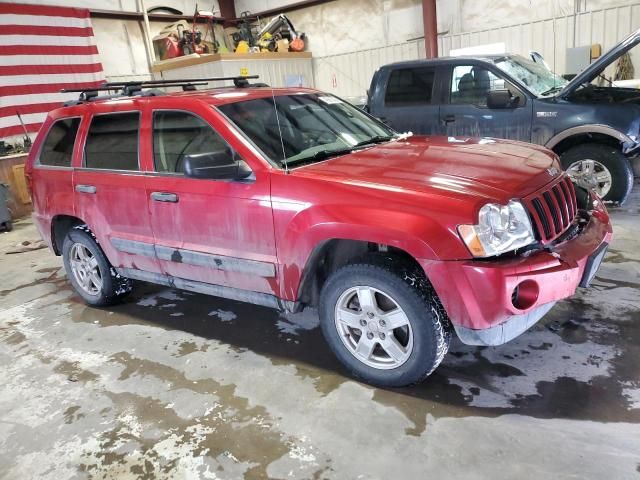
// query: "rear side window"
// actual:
[[410, 86], [178, 134], [57, 149], [112, 142]]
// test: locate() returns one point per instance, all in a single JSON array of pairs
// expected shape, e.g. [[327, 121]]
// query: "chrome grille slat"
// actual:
[[564, 205], [551, 212], [553, 209]]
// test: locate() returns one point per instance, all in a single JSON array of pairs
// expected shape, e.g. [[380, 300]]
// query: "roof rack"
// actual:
[[132, 88]]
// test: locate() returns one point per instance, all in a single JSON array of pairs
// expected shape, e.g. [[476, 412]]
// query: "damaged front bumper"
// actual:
[[492, 302]]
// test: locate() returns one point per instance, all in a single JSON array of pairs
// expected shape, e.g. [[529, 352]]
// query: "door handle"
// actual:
[[164, 197], [86, 188], [449, 119]]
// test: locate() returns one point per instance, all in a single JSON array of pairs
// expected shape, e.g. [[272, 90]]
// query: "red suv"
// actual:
[[293, 198]]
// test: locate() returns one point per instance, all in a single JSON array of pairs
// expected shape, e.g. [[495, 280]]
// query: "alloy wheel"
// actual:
[[373, 327], [592, 175], [84, 266]]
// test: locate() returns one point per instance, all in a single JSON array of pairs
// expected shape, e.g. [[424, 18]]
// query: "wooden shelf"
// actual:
[[195, 59]]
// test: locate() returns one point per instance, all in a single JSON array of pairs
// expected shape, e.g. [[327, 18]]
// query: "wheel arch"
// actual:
[[602, 134], [60, 226], [332, 254]]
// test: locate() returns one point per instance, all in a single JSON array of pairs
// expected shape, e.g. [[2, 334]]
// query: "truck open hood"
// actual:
[[597, 67], [484, 168]]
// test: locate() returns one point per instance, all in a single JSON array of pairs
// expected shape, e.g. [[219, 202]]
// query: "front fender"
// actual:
[[419, 236]]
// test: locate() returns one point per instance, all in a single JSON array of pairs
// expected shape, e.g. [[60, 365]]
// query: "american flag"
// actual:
[[42, 50]]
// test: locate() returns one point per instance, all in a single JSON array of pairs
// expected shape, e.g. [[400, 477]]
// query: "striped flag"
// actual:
[[42, 50]]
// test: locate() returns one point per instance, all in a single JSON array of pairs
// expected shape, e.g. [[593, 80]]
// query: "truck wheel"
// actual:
[[8, 226], [383, 321], [91, 274], [600, 168]]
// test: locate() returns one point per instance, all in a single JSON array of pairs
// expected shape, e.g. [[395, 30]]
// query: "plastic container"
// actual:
[[5, 214]]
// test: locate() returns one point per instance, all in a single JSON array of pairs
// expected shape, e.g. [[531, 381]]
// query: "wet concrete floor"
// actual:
[[177, 385]]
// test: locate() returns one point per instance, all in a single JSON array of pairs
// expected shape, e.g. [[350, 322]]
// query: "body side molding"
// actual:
[[190, 257]]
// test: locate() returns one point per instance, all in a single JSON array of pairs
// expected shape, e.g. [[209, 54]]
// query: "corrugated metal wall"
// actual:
[[606, 27], [349, 75]]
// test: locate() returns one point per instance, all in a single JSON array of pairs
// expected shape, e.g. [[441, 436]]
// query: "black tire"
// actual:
[[410, 290], [114, 286], [611, 158], [7, 226]]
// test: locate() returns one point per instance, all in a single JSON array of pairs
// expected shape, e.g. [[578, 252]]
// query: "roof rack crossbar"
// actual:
[[134, 87], [180, 80], [130, 87]]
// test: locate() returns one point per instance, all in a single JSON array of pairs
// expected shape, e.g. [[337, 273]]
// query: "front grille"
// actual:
[[553, 209]]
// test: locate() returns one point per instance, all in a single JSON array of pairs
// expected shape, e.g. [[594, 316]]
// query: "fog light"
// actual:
[[525, 295]]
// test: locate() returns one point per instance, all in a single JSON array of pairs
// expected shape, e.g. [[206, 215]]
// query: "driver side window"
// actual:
[[471, 84], [177, 134]]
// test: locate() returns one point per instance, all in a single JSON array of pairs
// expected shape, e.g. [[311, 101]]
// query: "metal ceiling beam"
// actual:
[[285, 9], [154, 17]]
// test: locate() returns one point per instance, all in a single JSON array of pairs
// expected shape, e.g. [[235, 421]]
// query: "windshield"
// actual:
[[533, 75], [307, 128]]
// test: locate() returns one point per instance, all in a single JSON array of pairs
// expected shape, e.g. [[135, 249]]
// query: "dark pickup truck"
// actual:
[[594, 129]]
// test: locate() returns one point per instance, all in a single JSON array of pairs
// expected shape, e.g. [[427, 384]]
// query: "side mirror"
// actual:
[[499, 99], [216, 166], [538, 58]]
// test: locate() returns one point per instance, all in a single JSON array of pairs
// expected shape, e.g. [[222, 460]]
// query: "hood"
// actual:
[[485, 168], [593, 70]]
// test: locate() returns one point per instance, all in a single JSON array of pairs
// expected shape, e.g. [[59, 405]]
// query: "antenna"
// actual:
[[284, 154]]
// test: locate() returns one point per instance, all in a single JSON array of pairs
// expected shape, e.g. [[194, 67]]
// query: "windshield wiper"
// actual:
[[372, 140], [552, 89], [321, 155], [324, 154]]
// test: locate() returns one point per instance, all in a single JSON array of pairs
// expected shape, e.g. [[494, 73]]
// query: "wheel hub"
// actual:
[[372, 327]]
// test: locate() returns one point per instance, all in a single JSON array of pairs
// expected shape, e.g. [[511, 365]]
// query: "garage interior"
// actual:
[[177, 384]]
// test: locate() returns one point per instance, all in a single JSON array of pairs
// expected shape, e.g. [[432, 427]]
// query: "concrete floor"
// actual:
[[178, 385]]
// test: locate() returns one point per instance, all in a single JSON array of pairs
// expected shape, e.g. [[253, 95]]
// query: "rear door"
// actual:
[[213, 231], [52, 173], [109, 189], [410, 100], [465, 112]]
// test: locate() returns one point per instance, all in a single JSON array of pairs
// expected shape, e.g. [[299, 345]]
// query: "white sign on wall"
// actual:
[[488, 49]]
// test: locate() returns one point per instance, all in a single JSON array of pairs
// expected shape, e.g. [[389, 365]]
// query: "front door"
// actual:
[[109, 190], [213, 231], [466, 114]]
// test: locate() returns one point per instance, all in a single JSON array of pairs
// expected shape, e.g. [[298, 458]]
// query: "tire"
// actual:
[[424, 341], [607, 159], [109, 287], [7, 226]]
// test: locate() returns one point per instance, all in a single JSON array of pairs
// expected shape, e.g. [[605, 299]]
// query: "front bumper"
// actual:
[[492, 302]]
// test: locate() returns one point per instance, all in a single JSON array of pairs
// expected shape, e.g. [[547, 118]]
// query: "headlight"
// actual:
[[500, 229]]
